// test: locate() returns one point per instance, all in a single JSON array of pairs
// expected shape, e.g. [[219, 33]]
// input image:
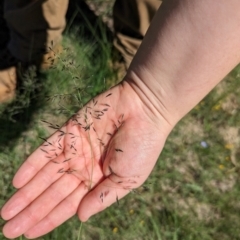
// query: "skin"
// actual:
[[190, 46], [107, 154]]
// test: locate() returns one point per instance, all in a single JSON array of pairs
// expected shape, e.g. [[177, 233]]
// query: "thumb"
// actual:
[[101, 197]]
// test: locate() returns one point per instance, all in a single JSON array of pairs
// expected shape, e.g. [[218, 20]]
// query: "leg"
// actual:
[[131, 21], [35, 25]]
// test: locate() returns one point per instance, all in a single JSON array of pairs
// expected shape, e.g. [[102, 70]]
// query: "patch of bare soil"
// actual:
[[103, 9]]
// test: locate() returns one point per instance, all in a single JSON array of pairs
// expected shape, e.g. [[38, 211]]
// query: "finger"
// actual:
[[101, 197], [48, 151], [40, 208], [65, 210], [33, 189]]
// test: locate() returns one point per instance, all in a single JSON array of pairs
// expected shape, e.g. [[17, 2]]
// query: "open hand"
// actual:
[[97, 157]]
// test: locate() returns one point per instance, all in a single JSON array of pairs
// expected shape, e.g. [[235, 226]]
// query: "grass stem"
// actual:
[[80, 231]]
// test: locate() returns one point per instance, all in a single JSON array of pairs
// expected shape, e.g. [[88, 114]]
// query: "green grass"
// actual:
[[193, 191]]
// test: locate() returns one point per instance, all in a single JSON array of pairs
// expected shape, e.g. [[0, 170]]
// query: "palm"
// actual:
[[109, 146]]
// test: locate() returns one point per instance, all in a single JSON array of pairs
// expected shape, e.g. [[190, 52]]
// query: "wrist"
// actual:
[[152, 105]]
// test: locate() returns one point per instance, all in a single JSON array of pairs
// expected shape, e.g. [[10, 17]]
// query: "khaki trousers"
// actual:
[[36, 25]]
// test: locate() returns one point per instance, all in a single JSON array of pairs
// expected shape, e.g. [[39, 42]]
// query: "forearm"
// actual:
[[189, 48]]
